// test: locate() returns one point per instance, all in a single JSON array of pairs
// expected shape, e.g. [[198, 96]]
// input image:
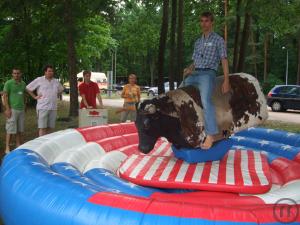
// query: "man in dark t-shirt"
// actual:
[[89, 92]]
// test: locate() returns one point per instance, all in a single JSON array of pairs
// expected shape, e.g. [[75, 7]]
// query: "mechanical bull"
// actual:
[[178, 115]]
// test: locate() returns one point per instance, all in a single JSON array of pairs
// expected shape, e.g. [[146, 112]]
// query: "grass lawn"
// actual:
[[291, 127], [117, 95], [63, 122]]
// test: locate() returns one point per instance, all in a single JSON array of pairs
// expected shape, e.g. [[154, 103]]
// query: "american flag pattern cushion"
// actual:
[[241, 171]]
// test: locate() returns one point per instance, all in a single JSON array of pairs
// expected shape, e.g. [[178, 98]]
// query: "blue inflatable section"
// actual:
[[60, 200], [32, 192], [278, 136], [198, 155], [269, 141]]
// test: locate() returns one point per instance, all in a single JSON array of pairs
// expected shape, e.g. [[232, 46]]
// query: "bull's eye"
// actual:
[[147, 123]]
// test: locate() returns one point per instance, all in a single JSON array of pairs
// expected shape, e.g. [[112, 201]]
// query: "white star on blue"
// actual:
[[68, 168], [286, 147], [240, 138], [80, 183], [37, 164], [263, 142], [106, 174], [31, 154], [290, 134]]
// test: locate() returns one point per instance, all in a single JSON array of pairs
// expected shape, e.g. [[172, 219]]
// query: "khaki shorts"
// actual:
[[15, 124], [46, 118], [128, 114]]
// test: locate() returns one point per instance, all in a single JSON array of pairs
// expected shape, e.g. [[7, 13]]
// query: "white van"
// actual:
[[97, 77]]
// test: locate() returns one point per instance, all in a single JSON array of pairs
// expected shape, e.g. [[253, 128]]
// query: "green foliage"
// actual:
[[272, 81], [96, 38], [137, 32], [32, 33]]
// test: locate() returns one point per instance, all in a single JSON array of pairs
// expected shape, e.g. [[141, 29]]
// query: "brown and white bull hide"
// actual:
[[243, 107]]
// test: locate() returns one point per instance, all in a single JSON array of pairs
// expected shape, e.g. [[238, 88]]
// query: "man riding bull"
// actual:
[[209, 50]]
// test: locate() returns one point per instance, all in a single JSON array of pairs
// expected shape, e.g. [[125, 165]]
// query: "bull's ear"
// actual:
[[150, 108]]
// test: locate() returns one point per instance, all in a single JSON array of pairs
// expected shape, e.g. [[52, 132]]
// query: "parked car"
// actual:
[[144, 88], [118, 87], [66, 86], [283, 97], [153, 91]]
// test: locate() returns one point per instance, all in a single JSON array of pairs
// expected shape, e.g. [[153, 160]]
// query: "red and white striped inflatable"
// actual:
[[239, 171]]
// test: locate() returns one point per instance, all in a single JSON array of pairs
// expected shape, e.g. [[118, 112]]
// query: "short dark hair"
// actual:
[[86, 72], [16, 68], [208, 15], [47, 67]]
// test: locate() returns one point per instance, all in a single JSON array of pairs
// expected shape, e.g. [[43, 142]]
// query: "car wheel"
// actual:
[[151, 94], [276, 106]]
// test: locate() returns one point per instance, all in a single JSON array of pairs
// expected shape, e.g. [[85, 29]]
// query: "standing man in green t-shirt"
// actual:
[[13, 101]]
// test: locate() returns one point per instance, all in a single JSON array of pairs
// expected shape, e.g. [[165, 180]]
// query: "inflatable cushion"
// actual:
[[239, 171], [197, 155]]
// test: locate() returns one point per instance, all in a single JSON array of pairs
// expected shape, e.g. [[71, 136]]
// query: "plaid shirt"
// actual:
[[209, 51]]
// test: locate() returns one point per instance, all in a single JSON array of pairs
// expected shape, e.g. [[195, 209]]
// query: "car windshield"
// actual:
[[286, 89]]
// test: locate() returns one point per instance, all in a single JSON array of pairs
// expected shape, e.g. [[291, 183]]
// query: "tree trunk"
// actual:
[[225, 27], [162, 46], [72, 61], [298, 73], [151, 66], [180, 52], [266, 58], [237, 37], [253, 44], [244, 42], [172, 45], [152, 73], [27, 40]]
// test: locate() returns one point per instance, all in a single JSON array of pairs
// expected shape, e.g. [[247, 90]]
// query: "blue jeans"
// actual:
[[205, 80]]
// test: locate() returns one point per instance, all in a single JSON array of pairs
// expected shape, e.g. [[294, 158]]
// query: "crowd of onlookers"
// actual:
[[46, 91]]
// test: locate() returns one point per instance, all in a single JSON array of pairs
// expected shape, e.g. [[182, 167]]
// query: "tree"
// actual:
[[298, 72], [180, 52], [225, 26], [72, 58], [162, 46], [266, 56], [245, 37], [172, 57], [254, 57], [237, 36], [137, 39]]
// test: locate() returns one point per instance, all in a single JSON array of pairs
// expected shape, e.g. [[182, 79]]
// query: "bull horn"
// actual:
[[151, 109]]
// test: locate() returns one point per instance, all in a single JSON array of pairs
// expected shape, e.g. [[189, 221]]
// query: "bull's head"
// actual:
[[148, 125]]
